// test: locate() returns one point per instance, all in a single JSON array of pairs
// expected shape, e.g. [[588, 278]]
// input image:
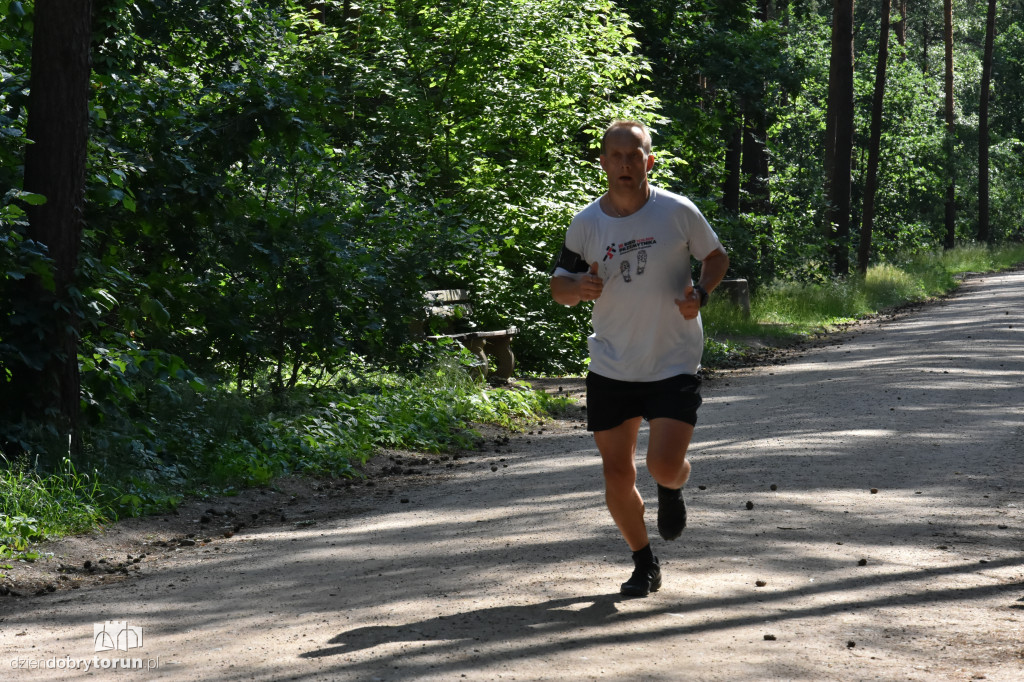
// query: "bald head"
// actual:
[[634, 129]]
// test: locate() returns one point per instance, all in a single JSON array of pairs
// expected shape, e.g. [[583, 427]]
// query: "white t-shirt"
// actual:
[[644, 260]]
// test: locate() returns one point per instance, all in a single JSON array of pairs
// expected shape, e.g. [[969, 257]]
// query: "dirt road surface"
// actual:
[[855, 514]]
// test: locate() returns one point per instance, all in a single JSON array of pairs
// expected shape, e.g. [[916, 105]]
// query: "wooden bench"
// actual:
[[448, 315]]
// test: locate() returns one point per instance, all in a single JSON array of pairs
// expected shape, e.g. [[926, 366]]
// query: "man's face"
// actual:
[[624, 159]]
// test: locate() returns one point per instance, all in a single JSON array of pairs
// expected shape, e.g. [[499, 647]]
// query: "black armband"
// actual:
[[571, 261]]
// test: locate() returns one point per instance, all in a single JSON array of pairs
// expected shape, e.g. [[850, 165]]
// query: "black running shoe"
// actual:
[[671, 512], [645, 579]]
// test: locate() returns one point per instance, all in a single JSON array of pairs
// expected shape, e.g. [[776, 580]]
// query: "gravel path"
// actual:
[[855, 513]]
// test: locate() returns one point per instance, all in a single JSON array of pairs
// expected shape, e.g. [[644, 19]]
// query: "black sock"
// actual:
[[644, 557], [668, 493]]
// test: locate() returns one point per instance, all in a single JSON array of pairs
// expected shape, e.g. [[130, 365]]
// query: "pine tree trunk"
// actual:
[[755, 144], [755, 166], [58, 125], [756, 198], [874, 142], [901, 29], [926, 46], [733, 159], [950, 240], [984, 231], [839, 134]]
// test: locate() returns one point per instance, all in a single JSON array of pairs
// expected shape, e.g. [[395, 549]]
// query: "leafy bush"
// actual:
[[196, 435], [16, 532]]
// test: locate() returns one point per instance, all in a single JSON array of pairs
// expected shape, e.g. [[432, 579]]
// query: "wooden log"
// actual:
[[737, 292]]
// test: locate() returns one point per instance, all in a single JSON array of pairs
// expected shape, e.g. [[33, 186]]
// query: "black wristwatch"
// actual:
[[703, 293]]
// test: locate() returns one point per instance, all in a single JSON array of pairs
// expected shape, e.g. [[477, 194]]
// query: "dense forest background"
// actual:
[[248, 197]]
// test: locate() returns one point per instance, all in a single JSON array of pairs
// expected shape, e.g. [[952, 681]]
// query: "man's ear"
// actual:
[[650, 162]]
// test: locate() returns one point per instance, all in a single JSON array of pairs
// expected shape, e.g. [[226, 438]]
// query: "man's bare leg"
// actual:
[[666, 452], [618, 452], [666, 460]]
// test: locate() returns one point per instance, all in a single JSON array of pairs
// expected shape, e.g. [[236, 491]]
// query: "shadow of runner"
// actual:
[[554, 626], [505, 623]]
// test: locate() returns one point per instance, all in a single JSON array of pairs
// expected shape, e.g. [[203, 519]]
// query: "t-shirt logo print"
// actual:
[[624, 269], [609, 252]]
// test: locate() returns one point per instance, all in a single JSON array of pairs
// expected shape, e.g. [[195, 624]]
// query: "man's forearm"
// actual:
[[713, 269]]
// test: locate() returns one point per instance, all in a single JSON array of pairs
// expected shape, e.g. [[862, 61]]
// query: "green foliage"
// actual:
[[719, 353], [308, 165], [16, 532], [1007, 200], [911, 167], [526, 123], [211, 435], [34, 506], [1008, 78]]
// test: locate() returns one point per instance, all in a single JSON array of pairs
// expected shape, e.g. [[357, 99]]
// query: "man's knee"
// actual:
[[667, 447], [668, 470], [619, 475]]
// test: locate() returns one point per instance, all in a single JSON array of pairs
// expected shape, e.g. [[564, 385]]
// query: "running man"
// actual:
[[629, 251]]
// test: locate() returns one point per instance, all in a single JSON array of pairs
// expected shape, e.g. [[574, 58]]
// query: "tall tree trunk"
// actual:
[[901, 28], [839, 136], [874, 143], [755, 144], [58, 125], [947, 12], [984, 232], [926, 44], [755, 165], [755, 198], [733, 159]]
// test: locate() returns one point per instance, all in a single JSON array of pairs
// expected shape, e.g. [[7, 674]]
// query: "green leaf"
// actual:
[[32, 199], [156, 311]]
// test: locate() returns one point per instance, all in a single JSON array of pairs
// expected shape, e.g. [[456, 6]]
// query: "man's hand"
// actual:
[[713, 269], [591, 285], [570, 291], [689, 304]]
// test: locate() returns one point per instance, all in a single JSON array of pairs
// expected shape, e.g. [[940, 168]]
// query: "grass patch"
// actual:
[[35, 506], [937, 270], [786, 310]]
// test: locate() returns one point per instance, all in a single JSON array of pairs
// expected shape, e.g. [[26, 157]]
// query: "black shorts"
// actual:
[[611, 402]]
